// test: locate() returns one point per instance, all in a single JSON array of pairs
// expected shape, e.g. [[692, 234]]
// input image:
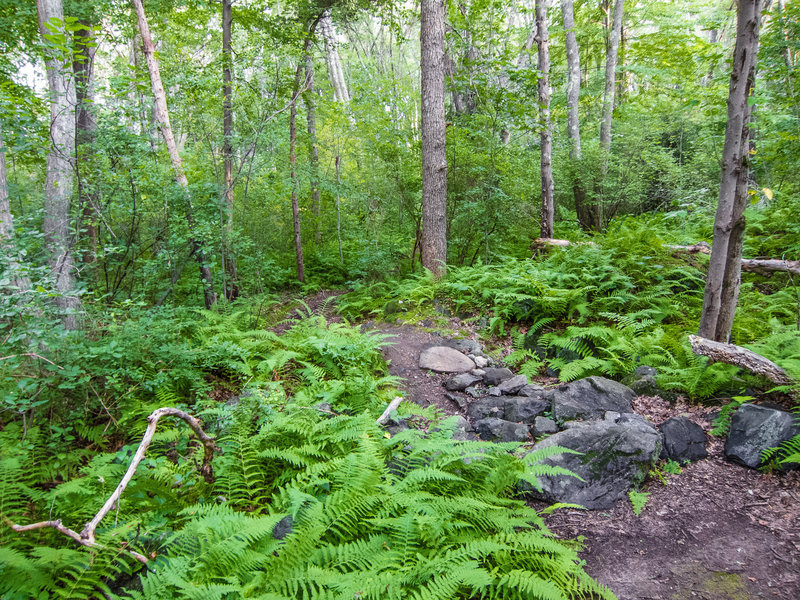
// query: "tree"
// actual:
[[298, 240], [231, 288], [60, 159], [18, 279], [724, 270], [162, 117], [434, 157], [611, 71], [546, 134]]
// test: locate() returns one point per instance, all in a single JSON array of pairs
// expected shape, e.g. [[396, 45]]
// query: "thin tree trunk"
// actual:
[[162, 117], [7, 245], [86, 131], [611, 70], [298, 240], [229, 261], [546, 134], [311, 118], [338, 211], [60, 165], [724, 271], [434, 157]]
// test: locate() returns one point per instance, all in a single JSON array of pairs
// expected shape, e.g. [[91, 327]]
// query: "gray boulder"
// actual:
[[444, 359], [489, 406], [754, 429], [523, 409], [495, 376], [531, 390], [612, 458], [499, 430], [464, 345], [461, 382], [590, 398], [513, 385], [544, 426], [683, 440]]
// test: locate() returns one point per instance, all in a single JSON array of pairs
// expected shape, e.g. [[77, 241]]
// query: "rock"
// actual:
[[495, 376], [494, 391], [464, 345], [462, 402], [499, 430], [462, 430], [644, 371], [283, 528], [396, 425], [474, 392], [393, 307], [544, 426], [613, 457], [513, 385], [590, 398], [683, 440], [444, 359], [522, 409], [478, 372], [461, 382], [754, 429], [481, 361], [487, 407], [531, 390], [643, 382]]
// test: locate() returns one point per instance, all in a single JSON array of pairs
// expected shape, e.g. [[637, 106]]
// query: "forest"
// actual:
[[368, 299]]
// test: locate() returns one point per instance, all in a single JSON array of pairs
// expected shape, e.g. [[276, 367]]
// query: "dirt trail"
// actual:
[[716, 531]]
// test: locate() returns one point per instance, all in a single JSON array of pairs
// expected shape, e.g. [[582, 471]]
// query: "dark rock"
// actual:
[[551, 372], [683, 440], [513, 385], [474, 392], [499, 430], [754, 429], [544, 426], [461, 382], [523, 409], [393, 307], [463, 431], [590, 398], [462, 402], [531, 390], [283, 528], [464, 345], [643, 382], [644, 371], [487, 407], [396, 425], [613, 457], [495, 376], [444, 359], [494, 391]]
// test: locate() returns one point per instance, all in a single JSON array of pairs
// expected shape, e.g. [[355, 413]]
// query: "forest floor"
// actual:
[[716, 531]]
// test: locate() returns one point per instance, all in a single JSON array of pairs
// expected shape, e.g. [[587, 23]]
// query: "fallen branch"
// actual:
[[740, 357], [87, 535], [392, 406]]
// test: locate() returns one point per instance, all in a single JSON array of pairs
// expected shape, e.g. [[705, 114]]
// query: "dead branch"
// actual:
[[392, 406], [740, 357], [87, 535]]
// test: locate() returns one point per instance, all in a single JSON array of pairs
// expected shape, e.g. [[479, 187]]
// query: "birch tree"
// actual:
[[546, 135], [7, 246], [231, 289]]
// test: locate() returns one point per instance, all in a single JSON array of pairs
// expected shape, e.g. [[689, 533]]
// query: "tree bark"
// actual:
[[298, 240], [434, 157], [338, 210], [162, 117], [231, 288], [724, 271], [546, 135], [740, 357], [18, 279], [611, 70], [60, 165], [313, 151], [334, 64]]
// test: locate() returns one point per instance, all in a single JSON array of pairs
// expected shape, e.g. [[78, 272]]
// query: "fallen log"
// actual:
[[740, 357]]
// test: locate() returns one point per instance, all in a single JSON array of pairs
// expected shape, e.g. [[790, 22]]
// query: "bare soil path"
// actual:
[[716, 531]]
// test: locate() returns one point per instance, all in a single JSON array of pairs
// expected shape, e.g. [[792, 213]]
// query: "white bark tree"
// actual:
[[18, 279], [546, 135]]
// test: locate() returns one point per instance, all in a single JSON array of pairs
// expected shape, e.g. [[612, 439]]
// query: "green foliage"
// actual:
[[638, 501], [722, 424]]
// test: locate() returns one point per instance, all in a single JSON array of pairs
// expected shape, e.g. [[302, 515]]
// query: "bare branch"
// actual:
[[740, 357], [392, 406]]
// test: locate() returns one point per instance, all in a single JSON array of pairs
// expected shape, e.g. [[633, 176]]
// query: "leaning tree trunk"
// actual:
[[298, 240], [231, 288], [434, 157], [335, 72], [546, 135], [162, 117], [724, 269], [60, 165], [7, 246], [611, 71], [583, 211], [313, 152]]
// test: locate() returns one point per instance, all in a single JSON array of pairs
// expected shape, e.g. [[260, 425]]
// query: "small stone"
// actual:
[[683, 440], [461, 382], [495, 391], [513, 385], [443, 359], [474, 392], [462, 402], [481, 361], [282, 528], [522, 409], [544, 426], [495, 376], [498, 430], [478, 372], [531, 390]]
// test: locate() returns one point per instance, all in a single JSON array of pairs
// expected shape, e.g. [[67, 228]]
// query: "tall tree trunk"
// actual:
[[724, 270], [313, 152], [434, 157], [298, 240], [338, 211], [229, 260], [573, 116], [7, 246], [611, 70], [162, 117], [60, 165], [546, 135], [335, 72], [86, 131]]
